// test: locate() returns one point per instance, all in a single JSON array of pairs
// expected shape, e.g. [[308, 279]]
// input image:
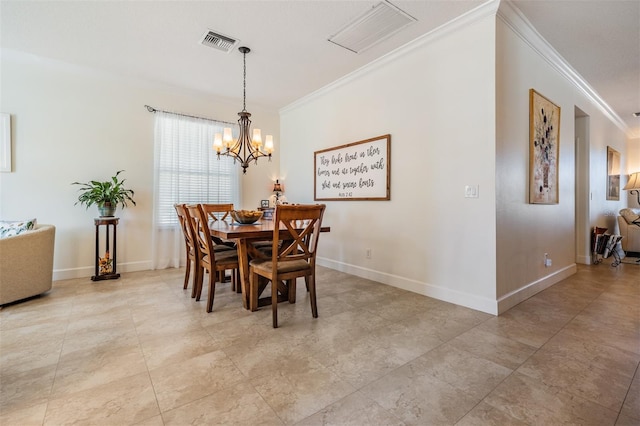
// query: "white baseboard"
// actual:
[[584, 260], [89, 271], [510, 300], [445, 294]]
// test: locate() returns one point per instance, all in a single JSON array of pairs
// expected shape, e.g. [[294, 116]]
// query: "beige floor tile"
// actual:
[[484, 414], [624, 420], [419, 399], [26, 388], [238, 405], [151, 421], [192, 379], [500, 350], [124, 401], [30, 416], [631, 406], [183, 346], [103, 340], [375, 355], [592, 330], [353, 410], [301, 389], [253, 358], [82, 370], [582, 371], [532, 402], [461, 369], [16, 358], [42, 310]]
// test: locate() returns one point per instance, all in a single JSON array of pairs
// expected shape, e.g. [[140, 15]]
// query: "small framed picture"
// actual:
[[264, 203]]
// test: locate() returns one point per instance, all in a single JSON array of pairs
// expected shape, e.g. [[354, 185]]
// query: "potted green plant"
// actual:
[[106, 195]]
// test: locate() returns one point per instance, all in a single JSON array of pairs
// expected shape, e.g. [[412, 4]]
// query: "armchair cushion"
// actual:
[[630, 216]]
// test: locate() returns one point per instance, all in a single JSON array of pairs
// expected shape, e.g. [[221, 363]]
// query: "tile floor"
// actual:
[[139, 350]]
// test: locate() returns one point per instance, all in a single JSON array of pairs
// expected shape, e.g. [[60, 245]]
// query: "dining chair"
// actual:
[[192, 253], [210, 260], [220, 212], [293, 256]]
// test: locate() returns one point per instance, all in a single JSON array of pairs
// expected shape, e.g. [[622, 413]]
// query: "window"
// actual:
[[187, 169]]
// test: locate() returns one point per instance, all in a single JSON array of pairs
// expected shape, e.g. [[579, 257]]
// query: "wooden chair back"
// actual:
[[187, 232], [201, 234], [217, 212], [291, 244]]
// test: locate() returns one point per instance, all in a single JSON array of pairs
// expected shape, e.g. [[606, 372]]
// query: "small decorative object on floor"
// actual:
[[106, 264]]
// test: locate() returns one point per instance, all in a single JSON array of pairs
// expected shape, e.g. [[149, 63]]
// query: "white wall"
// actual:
[[436, 99], [526, 231], [74, 124]]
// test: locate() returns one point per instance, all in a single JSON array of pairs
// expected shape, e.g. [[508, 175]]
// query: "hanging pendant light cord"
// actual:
[[244, 82]]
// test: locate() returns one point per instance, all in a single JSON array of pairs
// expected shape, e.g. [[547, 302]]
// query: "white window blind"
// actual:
[[187, 170]]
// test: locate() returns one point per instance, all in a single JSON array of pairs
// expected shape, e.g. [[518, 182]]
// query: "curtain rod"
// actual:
[[152, 109]]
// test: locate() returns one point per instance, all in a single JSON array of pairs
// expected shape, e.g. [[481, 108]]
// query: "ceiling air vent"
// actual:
[[218, 41], [381, 21]]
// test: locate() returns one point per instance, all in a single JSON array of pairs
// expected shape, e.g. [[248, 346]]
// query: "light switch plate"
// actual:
[[471, 191]]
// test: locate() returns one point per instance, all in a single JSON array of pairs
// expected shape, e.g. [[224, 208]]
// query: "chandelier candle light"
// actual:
[[244, 149]]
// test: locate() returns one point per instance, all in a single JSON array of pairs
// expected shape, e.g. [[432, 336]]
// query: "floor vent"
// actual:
[[218, 41], [380, 22]]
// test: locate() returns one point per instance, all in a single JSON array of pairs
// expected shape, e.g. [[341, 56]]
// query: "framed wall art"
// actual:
[[356, 171], [613, 174], [544, 149]]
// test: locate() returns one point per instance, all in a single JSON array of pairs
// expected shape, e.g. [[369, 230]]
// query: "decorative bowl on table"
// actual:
[[246, 216]]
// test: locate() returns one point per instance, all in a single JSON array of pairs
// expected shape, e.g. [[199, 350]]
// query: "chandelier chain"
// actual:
[[244, 82]]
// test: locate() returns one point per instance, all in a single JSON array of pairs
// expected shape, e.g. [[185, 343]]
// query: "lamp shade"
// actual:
[[633, 183], [277, 187]]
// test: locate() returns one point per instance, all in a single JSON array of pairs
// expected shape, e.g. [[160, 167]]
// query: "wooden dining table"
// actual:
[[245, 235]]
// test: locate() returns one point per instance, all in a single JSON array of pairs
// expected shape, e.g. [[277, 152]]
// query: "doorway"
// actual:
[[583, 190]]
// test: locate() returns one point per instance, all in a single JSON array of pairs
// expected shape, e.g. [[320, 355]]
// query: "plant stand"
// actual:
[[106, 266]]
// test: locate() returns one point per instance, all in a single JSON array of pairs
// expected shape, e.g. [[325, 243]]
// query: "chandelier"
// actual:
[[246, 148]]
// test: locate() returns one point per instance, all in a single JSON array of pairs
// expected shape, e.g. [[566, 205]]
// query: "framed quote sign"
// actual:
[[356, 171]]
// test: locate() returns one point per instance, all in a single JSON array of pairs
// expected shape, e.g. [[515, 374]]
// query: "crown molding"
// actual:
[[486, 9], [520, 25]]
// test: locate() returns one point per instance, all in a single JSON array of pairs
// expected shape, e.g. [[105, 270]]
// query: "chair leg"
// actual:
[[254, 283], [187, 273], [236, 277], [198, 284], [212, 290], [306, 282], [312, 295], [274, 302], [291, 286]]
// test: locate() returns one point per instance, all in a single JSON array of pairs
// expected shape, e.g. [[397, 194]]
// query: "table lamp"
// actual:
[[277, 189], [633, 185]]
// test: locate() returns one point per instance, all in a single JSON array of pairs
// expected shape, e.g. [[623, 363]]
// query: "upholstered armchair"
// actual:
[[26, 263], [629, 223]]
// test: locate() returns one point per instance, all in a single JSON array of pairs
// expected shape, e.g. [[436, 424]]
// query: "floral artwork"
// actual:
[[544, 143]]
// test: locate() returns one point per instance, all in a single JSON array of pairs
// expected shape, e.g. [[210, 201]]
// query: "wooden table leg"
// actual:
[[243, 261]]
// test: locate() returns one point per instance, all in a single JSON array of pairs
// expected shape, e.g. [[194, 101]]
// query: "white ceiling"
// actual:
[[291, 57]]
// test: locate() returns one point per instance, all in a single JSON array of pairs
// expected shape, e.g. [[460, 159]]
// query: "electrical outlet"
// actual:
[[368, 253], [547, 261]]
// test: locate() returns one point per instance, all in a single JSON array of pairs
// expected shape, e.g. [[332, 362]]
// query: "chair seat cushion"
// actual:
[[225, 257], [283, 267]]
